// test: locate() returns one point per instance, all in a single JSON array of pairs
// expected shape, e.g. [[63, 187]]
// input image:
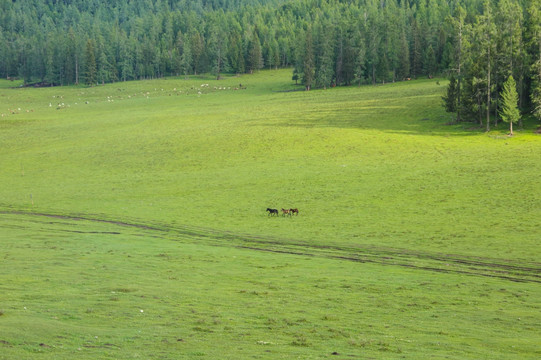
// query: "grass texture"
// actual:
[[133, 224]]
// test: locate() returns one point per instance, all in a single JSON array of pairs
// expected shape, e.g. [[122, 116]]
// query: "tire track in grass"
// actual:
[[435, 262]]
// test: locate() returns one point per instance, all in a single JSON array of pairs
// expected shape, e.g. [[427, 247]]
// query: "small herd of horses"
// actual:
[[285, 212]]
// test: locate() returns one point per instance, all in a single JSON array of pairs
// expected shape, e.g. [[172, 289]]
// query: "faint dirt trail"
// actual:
[[427, 261]]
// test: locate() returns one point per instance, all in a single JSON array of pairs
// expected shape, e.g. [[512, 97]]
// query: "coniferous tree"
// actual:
[[509, 46], [48, 76], [360, 57], [450, 99], [275, 58], [485, 38], [404, 58], [197, 46], [218, 51], [72, 58], [534, 41], [126, 56], [374, 41], [536, 91], [255, 56], [416, 50], [308, 61], [235, 53], [509, 111], [349, 59], [339, 56], [70, 55], [392, 37], [176, 54], [457, 62], [324, 60], [186, 60], [90, 62], [430, 61]]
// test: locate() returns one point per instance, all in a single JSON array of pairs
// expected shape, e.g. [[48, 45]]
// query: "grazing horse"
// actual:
[[294, 211], [272, 211], [286, 212]]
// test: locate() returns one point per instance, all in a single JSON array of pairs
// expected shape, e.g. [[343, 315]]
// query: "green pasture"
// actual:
[[415, 238]]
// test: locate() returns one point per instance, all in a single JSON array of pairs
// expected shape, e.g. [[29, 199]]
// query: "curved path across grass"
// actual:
[[427, 261]]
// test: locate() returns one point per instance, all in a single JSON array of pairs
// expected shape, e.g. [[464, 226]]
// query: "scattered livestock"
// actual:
[[63, 103]]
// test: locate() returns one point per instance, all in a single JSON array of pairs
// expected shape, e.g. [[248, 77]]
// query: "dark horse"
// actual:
[[272, 211], [294, 211]]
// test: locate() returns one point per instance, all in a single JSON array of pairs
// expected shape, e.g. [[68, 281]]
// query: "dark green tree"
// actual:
[[308, 61], [236, 53], [186, 60], [324, 59], [218, 51], [450, 99], [534, 42], [255, 55], [430, 61], [90, 63], [484, 35], [457, 61]]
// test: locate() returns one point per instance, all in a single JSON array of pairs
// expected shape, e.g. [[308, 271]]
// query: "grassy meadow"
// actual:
[[133, 224]]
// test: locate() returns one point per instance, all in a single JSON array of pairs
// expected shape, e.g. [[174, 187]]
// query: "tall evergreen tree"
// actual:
[[509, 46], [255, 55], [430, 61], [308, 60], [197, 46], [509, 111], [324, 59], [534, 41], [274, 59], [450, 99], [485, 32], [360, 57], [218, 51], [416, 50], [90, 63], [186, 60], [404, 58], [457, 62]]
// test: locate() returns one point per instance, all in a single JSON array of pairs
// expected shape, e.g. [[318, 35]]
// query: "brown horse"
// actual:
[[286, 212], [294, 211]]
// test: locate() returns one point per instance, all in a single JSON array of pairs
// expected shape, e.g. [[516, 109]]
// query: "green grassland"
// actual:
[[133, 224]]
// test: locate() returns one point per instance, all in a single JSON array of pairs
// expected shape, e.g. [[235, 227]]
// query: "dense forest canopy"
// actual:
[[479, 43]]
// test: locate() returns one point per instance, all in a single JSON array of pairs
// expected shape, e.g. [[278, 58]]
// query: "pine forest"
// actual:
[[478, 44]]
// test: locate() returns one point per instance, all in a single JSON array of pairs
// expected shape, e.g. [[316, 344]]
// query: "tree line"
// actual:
[[495, 68], [478, 43]]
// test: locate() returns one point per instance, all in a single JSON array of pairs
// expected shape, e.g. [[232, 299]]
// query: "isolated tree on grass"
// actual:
[[509, 111]]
